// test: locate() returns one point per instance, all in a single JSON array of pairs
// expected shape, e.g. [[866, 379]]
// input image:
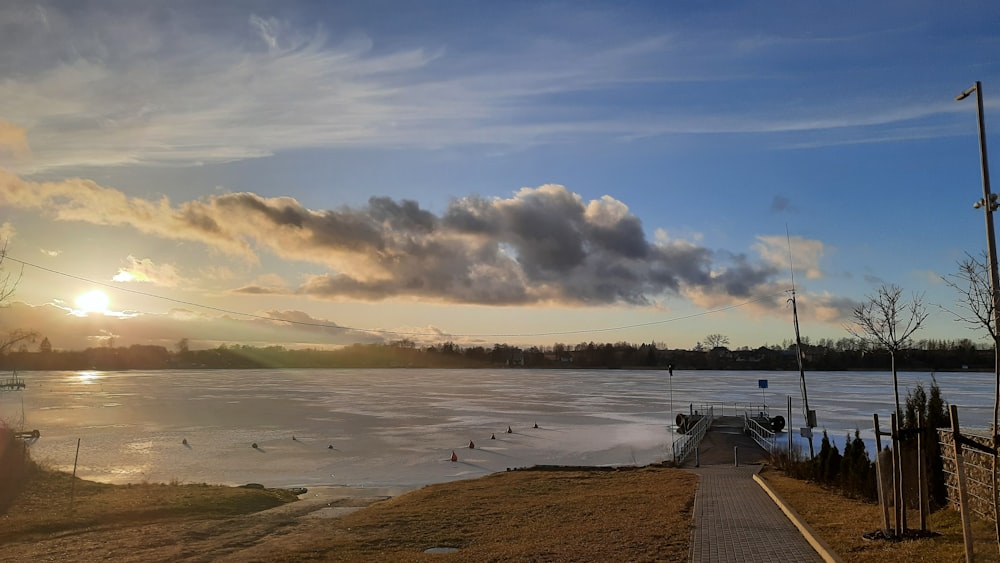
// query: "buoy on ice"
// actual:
[[509, 431], [454, 457], [472, 445]]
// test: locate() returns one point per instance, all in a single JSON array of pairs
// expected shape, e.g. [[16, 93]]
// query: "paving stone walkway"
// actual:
[[734, 519]]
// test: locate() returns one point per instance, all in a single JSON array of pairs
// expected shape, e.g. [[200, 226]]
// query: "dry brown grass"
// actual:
[[842, 522], [538, 515], [640, 515]]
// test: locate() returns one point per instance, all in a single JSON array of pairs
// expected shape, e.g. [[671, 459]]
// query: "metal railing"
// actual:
[[765, 437], [731, 408], [688, 442]]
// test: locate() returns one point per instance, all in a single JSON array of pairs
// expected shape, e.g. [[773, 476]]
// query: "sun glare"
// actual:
[[94, 301]]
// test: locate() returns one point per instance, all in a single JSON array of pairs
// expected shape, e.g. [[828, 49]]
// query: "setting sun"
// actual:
[[94, 301]]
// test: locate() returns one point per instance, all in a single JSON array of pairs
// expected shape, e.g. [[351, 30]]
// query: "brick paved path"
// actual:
[[735, 521]]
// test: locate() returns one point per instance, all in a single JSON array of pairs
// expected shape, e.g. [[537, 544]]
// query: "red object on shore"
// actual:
[[454, 457]]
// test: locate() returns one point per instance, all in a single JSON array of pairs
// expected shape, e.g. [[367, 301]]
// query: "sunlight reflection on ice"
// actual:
[[399, 427]]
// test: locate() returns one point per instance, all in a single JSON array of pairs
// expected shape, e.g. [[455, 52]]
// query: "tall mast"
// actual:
[[798, 348]]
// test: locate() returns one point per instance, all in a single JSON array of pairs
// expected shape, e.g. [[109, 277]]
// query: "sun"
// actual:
[[94, 301]]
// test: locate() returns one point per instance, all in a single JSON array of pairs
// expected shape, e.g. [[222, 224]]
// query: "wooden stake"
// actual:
[[921, 480], [963, 495], [897, 477], [879, 472]]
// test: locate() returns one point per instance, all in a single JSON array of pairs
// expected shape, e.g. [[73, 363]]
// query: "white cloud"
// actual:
[[787, 252]]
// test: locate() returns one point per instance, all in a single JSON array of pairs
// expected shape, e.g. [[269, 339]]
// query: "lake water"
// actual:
[[400, 427]]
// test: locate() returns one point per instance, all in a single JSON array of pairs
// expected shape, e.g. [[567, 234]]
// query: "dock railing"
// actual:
[[12, 383], [765, 437], [685, 444], [730, 408]]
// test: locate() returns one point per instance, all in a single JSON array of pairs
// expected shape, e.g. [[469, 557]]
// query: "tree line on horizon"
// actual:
[[823, 355]]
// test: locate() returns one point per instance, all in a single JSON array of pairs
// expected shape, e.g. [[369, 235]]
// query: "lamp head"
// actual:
[[968, 91]]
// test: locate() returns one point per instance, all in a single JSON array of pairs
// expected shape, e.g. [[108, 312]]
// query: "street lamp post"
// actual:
[[989, 205]]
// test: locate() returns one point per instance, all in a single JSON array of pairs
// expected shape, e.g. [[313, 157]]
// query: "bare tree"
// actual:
[[8, 284], [716, 341], [887, 321], [975, 301]]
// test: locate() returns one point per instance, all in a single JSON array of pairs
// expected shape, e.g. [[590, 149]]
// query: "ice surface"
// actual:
[[400, 427]]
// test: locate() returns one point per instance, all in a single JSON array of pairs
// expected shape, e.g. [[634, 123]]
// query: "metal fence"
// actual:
[[687, 443], [978, 472]]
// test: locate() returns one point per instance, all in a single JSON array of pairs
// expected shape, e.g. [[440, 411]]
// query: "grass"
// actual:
[[539, 515], [842, 523], [523, 515], [52, 501]]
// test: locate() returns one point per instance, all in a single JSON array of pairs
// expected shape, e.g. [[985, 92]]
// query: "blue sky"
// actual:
[[320, 173]]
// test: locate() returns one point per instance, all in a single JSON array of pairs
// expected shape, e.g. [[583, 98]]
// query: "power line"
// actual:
[[4, 256]]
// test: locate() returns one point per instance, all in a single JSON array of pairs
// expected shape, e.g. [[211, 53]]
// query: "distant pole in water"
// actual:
[[509, 431], [72, 490], [670, 370], [454, 456], [472, 445], [536, 425], [493, 436]]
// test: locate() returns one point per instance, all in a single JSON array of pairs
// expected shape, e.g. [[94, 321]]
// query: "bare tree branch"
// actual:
[[972, 283], [886, 321]]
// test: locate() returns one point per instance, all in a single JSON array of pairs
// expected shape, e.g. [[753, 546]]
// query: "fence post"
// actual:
[[897, 477], [921, 479], [790, 425], [963, 495], [879, 471]]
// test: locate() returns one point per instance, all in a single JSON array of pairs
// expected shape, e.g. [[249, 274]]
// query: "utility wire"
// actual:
[[4, 256]]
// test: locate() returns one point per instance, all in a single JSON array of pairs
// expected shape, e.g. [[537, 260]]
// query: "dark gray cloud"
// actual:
[[781, 204], [543, 245]]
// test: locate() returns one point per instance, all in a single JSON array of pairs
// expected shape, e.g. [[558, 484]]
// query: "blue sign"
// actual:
[[762, 383]]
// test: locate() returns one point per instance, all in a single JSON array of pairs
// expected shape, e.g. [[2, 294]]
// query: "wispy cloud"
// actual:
[[124, 88], [69, 331]]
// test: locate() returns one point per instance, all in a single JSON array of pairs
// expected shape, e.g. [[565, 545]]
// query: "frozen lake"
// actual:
[[400, 427]]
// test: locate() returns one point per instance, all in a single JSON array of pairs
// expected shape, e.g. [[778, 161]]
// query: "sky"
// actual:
[[316, 174]]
